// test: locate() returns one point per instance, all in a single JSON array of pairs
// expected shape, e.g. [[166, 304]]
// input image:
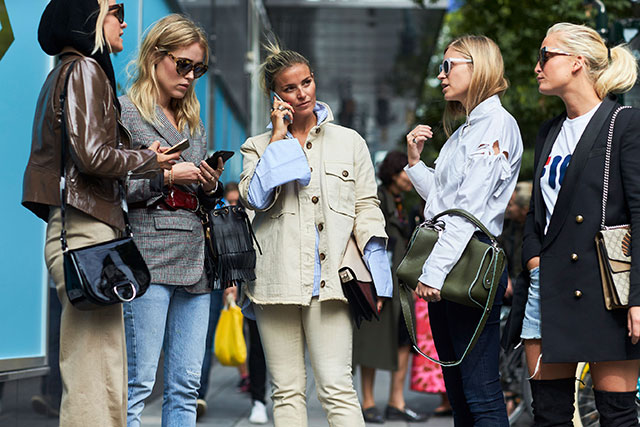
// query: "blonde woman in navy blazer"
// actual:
[[172, 315], [565, 319]]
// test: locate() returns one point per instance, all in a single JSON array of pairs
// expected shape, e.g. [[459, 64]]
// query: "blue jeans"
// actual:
[[473, 387], [171, 319]]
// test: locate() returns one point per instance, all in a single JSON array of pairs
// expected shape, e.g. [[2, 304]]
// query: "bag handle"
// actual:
[[607, 162], [470, 218], [63, 171]]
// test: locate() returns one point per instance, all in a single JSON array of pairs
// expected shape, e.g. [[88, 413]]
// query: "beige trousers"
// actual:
[[93, 354], [326, 329]]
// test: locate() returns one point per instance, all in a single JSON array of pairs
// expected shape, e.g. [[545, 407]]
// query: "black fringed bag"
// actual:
[[229, 240]]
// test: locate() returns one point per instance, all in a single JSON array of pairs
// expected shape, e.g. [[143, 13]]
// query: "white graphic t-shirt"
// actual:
[[559, 158]]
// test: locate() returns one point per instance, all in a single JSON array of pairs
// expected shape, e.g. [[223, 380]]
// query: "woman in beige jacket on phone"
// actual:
[[312, 185]]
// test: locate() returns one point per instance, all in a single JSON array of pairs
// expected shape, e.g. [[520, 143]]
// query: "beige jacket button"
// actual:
[[320, 227], [322, 257], [577, 293], [579, 219], [322, 283], [574, 257], [345, 174], [309, 145], [315, 199], [317, 130]]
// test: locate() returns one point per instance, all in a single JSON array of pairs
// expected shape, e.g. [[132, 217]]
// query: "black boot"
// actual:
[[553, 402], [617, 409]]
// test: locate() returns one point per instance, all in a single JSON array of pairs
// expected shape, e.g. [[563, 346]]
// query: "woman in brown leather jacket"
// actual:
[[92, 343]]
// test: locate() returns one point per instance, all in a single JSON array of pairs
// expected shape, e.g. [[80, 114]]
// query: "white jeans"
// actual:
[[327, 330]]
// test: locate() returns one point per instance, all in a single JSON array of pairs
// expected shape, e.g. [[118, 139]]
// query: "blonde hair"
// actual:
[[277, 60], [169, 33], [616, 73], [99, 40], [487, 75]]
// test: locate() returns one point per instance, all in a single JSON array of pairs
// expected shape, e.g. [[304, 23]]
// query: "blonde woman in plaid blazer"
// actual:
[[173, 314]]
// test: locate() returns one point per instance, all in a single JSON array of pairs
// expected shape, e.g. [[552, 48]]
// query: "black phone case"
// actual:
[[213, 160]]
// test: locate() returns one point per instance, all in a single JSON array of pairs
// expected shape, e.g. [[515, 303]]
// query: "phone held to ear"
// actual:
[[275, 96], [213, 160], [180, 146]]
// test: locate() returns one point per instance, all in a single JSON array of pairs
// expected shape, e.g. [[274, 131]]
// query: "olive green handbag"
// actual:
[[473, 281]]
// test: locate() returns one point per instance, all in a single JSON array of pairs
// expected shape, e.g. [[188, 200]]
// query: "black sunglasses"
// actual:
[[119, 8], [184, 66], [547, 53]]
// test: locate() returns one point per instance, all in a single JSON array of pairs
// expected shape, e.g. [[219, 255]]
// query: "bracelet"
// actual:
[[212, 192], [171, 177]]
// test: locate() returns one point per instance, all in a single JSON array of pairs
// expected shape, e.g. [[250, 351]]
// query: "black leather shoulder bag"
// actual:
[[105, 273]]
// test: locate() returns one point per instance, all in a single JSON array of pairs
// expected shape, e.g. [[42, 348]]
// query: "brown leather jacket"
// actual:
[[98, 152]]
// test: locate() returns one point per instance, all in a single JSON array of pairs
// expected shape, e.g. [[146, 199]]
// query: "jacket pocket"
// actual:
[[341, 187], [171, 223]]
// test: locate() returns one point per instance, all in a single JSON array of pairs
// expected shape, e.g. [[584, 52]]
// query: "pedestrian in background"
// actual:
[[476, 170], [92, 343], [386, 344], [565, 319], [173, 314], [311, 184]]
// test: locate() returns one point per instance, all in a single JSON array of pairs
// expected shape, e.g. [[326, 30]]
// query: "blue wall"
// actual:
[[229, 134], [23, 295]]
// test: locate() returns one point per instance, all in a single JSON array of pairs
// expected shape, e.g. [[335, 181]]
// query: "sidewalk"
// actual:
[[228, 407]]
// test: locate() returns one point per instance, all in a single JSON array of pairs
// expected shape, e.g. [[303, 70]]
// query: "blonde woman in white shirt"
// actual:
[[476, 170]]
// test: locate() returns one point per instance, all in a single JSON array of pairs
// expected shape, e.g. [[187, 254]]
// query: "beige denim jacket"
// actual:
[[340, 199]]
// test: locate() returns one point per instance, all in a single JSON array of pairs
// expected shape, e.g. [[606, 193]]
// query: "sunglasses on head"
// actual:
[[447, 64], [547, 53], [184, 66], [119, 14]]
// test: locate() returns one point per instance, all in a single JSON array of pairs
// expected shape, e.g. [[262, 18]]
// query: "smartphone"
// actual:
[[180, 146], [213, 160], [275, 95]]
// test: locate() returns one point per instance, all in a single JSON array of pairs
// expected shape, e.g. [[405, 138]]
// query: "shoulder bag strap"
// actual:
[[607, 163], [63, 147], [406, 297]]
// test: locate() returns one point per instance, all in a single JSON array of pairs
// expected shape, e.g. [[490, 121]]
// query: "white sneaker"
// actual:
[[258, 413]]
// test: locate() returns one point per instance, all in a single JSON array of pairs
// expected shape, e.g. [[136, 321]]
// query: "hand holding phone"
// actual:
[[275, 96], [213, 160], [180, 146]]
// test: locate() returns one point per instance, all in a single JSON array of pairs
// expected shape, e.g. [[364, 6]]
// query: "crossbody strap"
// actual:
[[607, 163], [406, 298]]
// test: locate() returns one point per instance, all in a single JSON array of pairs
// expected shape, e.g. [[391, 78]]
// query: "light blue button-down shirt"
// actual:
[[284, 161]]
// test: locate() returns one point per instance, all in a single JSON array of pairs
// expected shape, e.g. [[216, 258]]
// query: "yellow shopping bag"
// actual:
[[229, 345]]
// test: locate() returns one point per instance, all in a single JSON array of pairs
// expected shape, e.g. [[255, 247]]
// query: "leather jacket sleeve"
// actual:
[[93, 128]]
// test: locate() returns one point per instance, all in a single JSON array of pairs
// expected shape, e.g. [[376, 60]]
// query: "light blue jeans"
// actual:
[[171, 319]]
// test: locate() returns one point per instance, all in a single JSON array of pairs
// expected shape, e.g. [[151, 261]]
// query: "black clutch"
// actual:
[[357, 285]]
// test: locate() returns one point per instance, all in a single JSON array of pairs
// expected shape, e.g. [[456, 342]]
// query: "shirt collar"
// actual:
[[484, 107], [322, 112]]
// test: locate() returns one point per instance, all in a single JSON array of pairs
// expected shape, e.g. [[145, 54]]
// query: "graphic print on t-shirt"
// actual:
[[557, 168]]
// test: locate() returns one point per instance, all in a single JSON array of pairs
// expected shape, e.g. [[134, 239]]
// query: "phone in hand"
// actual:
[[213, 160], [180, 146], [275, 96]]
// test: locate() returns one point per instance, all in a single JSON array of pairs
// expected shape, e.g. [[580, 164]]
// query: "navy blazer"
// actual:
[[575, 324]]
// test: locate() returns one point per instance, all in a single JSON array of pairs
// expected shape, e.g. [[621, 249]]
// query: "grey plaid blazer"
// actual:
[[171, 242]]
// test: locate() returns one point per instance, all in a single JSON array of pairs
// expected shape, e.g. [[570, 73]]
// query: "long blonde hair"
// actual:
[[99, 41], [610, 71], [278, 59], [487, 76], [169, 33]]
